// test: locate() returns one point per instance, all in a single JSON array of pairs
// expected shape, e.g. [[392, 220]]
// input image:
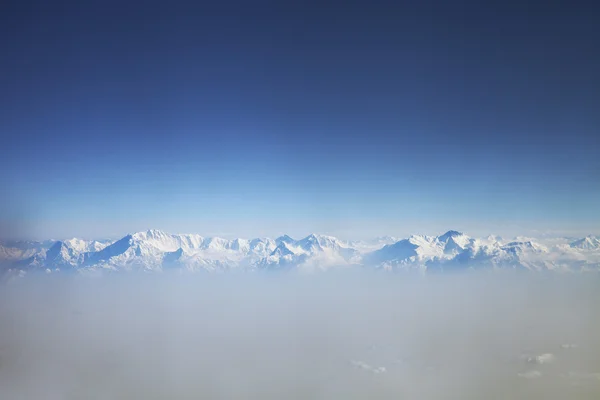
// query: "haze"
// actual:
[[497, 335]]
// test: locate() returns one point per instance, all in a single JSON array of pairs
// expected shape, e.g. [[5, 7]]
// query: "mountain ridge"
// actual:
[[155, 250]]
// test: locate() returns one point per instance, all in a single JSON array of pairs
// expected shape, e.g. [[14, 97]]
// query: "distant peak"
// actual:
[[588, 242], [155, 232], [449, 235], [316, 236], [284, 239], [149, 234], [452, 233], [312, 238]]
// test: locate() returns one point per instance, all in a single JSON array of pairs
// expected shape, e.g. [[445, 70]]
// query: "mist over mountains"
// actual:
[[320, 336], [155, 251]]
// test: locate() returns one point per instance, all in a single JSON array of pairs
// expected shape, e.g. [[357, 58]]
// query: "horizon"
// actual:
[[533, 235]]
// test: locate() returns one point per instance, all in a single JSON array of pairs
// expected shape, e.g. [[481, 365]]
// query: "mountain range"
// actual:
[[155, 250]]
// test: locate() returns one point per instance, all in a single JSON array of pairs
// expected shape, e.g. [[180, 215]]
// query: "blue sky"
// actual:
[[265, 118]]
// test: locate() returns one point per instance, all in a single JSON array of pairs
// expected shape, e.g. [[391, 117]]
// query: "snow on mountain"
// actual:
[[452, 235], [524, 247], [412, 251], [284, 239], [218, 254], [587, 243], [454, 250], [313, 243], [11, 251], [453, 242], [311, 252], [155, 250], [158, 240], [62, 255], [365, 246], [71, 253], [240, 245], [262, 246], [83, 246]]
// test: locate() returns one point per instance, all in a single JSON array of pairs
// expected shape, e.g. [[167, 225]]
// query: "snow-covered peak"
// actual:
[[61, 254], [216, 244], [421, 240], [313, 251], [403, 248], [83, 246], [492, 239], [366, 246], [21, 250], [315, 242], [516, 247], [283, 249], [159, 240], [453, 242], [155, 250], [262, 245], [450, 234], [240, 245], [284, 239], [587, 243], [416, 247], [150, 234]]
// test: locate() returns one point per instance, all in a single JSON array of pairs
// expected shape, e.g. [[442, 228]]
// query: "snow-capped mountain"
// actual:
[[156, 250], [417, 250], [377, 243], [71, 253], [20, 250], [313, 251], [587, 243], [455, 250]]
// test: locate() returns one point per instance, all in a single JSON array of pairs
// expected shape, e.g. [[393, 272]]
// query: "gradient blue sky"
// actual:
[[259, 118]]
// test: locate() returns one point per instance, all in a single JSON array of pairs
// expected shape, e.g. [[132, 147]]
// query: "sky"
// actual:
[[261, 118]]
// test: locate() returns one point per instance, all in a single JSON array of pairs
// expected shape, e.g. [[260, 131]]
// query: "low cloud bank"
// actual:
[[346, 335]]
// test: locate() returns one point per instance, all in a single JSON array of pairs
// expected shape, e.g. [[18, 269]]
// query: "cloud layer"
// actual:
[[332, 335]]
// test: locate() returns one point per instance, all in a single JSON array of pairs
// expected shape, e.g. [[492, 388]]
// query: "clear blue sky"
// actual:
[[258, 118]]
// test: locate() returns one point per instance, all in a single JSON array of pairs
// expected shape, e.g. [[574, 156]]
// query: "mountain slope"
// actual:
[[311, 252], [155, 250], [454, 250], [587, 243]]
